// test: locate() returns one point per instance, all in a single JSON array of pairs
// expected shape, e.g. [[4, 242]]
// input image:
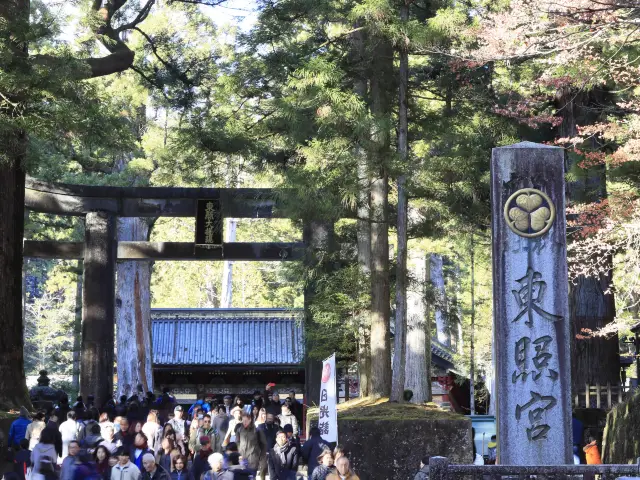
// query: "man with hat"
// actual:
[[124, 469], [179, 426]]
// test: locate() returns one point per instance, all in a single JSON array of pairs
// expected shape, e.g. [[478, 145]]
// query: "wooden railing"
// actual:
[[599, 396], [440, 469]]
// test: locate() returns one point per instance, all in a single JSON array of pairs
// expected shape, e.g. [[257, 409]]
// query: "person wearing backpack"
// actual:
[[43, 457], [22, 460]]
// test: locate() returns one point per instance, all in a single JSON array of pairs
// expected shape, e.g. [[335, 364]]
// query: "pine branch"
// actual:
[[207, 3], [141, 17], [180, 75]]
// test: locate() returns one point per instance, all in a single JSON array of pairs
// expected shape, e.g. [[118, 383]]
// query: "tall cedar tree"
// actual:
[[27, 72]]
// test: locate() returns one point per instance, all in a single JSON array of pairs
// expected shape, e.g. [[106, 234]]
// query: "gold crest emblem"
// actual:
[[529, 213]]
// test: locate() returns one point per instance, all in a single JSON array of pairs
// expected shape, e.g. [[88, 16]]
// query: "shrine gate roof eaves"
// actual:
[[269, 337]]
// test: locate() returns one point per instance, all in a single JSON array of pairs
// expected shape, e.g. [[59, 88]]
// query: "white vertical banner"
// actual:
[[328, 416]]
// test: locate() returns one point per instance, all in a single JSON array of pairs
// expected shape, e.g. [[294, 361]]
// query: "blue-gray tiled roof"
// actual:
[[227, 337]]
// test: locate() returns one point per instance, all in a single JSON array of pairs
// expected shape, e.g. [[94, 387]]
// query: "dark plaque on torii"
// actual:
[[209, 224]]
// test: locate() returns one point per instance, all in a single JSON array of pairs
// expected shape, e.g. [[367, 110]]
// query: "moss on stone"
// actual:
[[368, 408], [622, 432]]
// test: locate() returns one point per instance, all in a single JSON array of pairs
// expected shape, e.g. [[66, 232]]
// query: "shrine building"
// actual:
[[227, 351]]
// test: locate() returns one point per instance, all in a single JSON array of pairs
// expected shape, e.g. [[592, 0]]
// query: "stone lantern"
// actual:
[[44, 397]]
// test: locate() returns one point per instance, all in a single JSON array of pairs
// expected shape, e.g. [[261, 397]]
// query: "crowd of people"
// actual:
[[147, 438]]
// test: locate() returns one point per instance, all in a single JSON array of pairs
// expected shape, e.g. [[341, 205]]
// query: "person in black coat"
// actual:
[[22, 460], [270, 430], [200, 460], [312, 448], [283, 459], [121, 408], [274, 406], [63, 409], [240, 472], [52, 425]]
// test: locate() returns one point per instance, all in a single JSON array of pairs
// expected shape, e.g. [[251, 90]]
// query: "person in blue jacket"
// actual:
[[197, 404], [18, 429]]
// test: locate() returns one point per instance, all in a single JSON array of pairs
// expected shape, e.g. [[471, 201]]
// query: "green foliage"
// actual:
[[281, 106], [49, 327]]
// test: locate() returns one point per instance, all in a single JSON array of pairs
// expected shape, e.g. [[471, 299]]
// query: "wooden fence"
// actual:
[[598, 396], [440, 469]]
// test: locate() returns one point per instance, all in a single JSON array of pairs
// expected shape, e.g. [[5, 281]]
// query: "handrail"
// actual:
[[623, 469], [440, 469]]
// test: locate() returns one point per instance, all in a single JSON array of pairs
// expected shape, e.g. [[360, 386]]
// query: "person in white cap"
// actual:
[[153, 471], [180, 427]]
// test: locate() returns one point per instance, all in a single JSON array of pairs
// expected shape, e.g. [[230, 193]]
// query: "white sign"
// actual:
[[328, 416]]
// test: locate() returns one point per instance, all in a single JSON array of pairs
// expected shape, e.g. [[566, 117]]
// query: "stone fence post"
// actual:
[[438, 468]]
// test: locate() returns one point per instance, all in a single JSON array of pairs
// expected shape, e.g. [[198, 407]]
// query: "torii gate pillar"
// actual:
[[98, 307]]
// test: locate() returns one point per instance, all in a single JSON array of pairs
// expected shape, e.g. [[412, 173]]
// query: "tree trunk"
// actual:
[[436, 275], [13, 386], [379, 153], [380, 342], [133, 313], [319, 241], [15, 14], [363, 225], [594, 360], [472, 345], [400, 335], [400, 339], [418, 345]]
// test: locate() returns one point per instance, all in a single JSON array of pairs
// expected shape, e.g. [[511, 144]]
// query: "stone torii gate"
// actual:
[[101, 206]]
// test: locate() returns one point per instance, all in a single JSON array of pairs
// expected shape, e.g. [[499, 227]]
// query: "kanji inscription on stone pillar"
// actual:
[[531, 313]]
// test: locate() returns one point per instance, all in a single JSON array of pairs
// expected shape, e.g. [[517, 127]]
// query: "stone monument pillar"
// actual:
[[530, 301]]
